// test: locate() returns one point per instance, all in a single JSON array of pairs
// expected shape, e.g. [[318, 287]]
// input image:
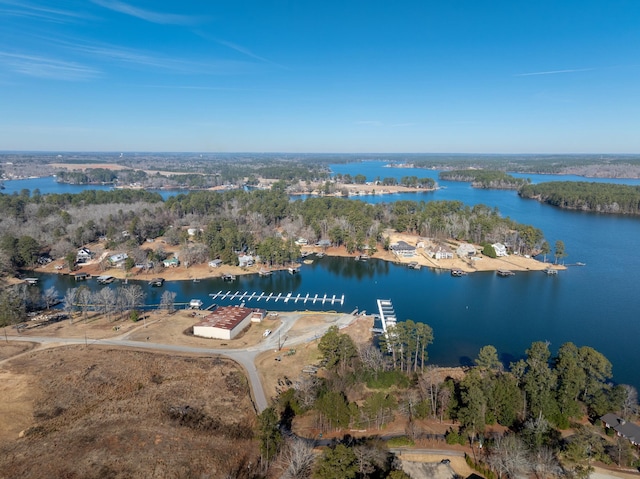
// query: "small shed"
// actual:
[[215, 263]]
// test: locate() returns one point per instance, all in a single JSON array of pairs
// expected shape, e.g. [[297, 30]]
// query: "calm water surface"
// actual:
[[594, 305]]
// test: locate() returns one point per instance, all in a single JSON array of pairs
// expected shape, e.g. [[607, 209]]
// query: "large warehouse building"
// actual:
[[226, 322]]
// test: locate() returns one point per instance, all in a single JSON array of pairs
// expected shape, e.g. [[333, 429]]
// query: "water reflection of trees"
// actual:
[[350, 268]]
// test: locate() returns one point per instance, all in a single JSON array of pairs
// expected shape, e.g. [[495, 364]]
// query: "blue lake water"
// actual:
[[48, 184], [594, 305]]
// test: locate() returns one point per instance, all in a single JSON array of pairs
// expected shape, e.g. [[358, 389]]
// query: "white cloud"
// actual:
[[30, 10], [43, 67], [246, 52], [554, 72], [147, 15]]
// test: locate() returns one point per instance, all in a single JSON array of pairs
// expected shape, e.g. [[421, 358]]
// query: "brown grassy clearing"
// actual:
[[100, 412]]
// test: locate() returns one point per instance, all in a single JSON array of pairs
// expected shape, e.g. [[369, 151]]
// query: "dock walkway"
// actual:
[[286, 298], [386, 314]]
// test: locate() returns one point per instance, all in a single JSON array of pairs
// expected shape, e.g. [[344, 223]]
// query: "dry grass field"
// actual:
[[93, 412]]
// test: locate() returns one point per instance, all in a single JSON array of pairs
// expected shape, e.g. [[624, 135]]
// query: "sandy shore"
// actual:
[[513, 263]]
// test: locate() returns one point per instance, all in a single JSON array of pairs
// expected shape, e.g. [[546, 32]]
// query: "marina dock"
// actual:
[[286, 298], [386, 315]]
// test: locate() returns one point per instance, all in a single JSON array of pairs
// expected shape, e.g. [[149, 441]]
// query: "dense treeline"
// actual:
[[485, 179], [611, 166], [586, 196], [410, 181], [366, 386], [227, 222], [88, 176]]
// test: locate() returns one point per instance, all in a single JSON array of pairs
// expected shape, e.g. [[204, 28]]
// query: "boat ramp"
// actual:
[[285, 298]]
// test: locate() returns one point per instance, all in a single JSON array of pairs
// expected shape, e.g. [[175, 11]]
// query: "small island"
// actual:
[[488, 179]]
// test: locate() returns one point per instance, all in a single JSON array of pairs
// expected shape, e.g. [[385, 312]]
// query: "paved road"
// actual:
[[244, 357]]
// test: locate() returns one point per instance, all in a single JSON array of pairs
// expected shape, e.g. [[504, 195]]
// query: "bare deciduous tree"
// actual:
[[371, 357], [70, 299], [630, 403], [544, 463], [167, 302], [50, 296], [508, 456], [297, 459], [83, 300], [307, 390], [429, 384]]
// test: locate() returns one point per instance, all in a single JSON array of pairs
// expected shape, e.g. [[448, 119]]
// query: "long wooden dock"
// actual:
[[286, 298]]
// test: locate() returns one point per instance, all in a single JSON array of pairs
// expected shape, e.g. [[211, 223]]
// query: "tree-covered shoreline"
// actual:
[[546, 407], [586, 196], [263, 221], [489, 179]]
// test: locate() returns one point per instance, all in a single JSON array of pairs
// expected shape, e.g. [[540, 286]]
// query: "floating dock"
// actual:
[[386, 314], [505, 272], [286, 298]]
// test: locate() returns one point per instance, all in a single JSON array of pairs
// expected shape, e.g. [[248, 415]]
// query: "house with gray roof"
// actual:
[[628, 430], [403, 249]]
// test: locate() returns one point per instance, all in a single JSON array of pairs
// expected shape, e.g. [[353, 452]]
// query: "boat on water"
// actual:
[[505, 272], [550, 272], [308, 261], [458, 272], [156, 282]]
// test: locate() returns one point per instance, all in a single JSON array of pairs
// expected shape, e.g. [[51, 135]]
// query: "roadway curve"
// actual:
[[244, 357]]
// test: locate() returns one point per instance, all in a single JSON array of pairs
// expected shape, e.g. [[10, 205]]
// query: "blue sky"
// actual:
[[441, 76]]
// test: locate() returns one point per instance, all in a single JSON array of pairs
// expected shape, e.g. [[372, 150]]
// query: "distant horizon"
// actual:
[[150, 152]]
